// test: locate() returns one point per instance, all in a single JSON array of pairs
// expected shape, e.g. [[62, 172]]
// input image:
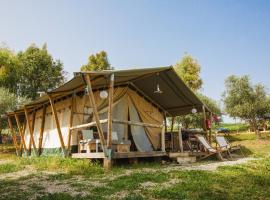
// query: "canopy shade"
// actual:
[[176, 98]]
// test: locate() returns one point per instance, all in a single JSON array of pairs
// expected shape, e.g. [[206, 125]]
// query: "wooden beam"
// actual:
[[21, 131], [57, 124], [210, 131], [180, 139], [71, 121], [137, 123], [40, 139], [110, 112], [32, 141], [95, 111], [172, 142], [15, 143], [163, 147], [204, 121]]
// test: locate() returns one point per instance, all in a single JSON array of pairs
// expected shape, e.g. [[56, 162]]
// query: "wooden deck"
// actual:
[[118, 155]]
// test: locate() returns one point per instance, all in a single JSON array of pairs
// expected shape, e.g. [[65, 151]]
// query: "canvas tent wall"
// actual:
[[128, 104]]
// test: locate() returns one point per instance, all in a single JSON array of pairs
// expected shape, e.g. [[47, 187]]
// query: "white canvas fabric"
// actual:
[[222, 142], [138, 132], [87, 134], [205, 143]]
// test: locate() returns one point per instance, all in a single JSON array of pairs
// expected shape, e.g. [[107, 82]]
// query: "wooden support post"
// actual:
[[13, 134], [204, 121], [71, 122], [107, 163], [172, 142], [40, 139], [54, 112], [180, 139], [95, 111], [32, 141], [163, 148], [210, 131], [21, 131], [110, 112]]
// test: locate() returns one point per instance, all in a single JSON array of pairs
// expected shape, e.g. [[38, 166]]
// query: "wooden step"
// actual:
[[186, 160], [178, 154]]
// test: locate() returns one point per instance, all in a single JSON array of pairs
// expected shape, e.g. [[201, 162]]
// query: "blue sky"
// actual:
[[226, 37]]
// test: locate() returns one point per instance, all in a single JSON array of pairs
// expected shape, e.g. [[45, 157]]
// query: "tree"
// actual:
[[245, 101], [9, 67], [39, 72], [189, 71], [97, 62], [8, 102], [196, 120]]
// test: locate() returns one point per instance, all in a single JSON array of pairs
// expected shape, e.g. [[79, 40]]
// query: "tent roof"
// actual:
[[176, 98]]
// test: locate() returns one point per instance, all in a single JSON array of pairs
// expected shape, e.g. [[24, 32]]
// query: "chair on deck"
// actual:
[[120, 144], [224, 144], [209, 149], [89, 141]]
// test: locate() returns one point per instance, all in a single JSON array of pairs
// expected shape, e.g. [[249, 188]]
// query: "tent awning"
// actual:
[[176, 98]]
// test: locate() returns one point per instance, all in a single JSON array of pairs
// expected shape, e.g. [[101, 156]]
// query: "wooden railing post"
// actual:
[[95, 111], [204, 122], [54, 112], [110, 111], [172, 141]]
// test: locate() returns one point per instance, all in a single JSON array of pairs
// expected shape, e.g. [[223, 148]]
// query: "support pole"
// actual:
[[13, 134], [57, 124], [32, 141], [71, 122], [163, 148], [210, 131], [204, 121], [180, 139], [172, 142], [40, 139], [21, 131], [95, 111], [110, 112]]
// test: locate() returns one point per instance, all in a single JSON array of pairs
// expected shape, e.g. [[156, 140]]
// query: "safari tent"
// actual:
[[108, 114]]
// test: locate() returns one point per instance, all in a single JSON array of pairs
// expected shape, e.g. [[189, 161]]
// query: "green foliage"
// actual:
[[245, 101], [196, 120], [9, 67], [234, 127], [9, 102], [189, 71], [97, 62], [38, 72]]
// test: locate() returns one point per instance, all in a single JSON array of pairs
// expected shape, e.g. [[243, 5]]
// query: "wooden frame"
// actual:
[[21, 131], [31, 129], [40, 139], [54, 112], [95, 111], [110, 112], [71, 121], [13, 134]]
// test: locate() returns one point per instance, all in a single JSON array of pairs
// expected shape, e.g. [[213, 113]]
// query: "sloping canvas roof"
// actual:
[[176, 98]]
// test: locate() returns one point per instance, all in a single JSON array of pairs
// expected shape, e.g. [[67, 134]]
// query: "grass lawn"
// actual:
[[55, 178]]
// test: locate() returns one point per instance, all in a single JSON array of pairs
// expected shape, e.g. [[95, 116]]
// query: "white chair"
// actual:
[[224, 144]]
